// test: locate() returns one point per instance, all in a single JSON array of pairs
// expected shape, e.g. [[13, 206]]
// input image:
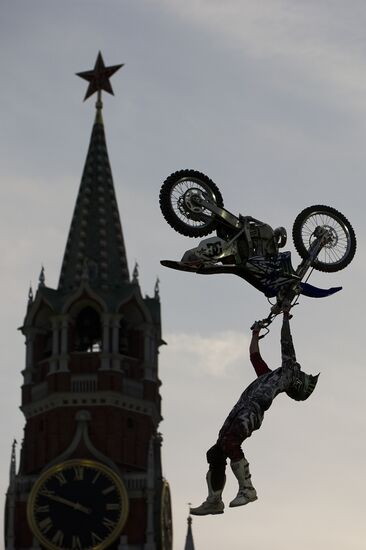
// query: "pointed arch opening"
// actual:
[[88, 331], [43, 326], [42, 343], [131, 330]]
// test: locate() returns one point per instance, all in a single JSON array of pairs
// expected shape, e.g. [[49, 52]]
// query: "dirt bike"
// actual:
[[325, 240]]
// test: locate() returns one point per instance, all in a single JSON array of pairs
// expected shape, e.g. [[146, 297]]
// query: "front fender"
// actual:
[[316, 292]]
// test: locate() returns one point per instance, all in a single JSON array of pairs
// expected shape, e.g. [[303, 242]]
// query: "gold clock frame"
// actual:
[[69, 464]]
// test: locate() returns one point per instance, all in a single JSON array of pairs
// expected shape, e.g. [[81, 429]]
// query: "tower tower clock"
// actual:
[[90, 473]]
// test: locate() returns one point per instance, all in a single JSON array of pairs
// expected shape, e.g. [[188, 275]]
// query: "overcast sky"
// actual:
[[268, 98]]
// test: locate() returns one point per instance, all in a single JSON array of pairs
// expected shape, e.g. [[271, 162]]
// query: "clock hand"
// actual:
[[82, 508], [74, 505]]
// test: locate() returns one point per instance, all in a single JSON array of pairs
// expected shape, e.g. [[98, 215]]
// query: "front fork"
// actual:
[[287, 294], [322, 237]]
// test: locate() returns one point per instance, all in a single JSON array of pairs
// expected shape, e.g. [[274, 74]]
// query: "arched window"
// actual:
[[43, 339], [88, 331], [123, 337], [131, 332]]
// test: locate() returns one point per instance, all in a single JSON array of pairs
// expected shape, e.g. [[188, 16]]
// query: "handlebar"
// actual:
[[264, 323]]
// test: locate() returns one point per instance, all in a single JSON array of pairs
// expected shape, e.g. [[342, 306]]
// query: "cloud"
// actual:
[[309, 38], [214, 355]]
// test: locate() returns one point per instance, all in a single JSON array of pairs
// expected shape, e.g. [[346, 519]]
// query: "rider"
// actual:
[[247, 416]]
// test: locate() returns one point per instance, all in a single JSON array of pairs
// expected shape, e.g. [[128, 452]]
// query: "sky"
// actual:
[[268, 98]]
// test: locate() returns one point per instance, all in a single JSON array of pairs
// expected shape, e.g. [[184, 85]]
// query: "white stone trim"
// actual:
[[100, 398]]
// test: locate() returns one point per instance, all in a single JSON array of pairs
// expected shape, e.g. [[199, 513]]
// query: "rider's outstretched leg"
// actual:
[[215, 479], [213, 503], [231, 445], [247, 492]]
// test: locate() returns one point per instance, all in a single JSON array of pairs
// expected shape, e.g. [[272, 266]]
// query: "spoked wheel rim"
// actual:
[[184, 206], [179, 208], [338, 246]]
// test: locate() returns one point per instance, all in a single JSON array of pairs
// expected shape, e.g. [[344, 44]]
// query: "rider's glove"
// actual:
[[256, 327]]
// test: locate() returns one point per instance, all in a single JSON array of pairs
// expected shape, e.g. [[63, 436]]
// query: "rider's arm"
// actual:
[[287, 346], [260, 366]]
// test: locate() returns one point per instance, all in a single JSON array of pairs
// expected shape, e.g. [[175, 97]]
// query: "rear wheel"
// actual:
[[179, 207], [340, 249]]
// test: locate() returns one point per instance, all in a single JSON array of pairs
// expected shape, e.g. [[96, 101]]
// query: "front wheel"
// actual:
[[178, 205], [340, 249]]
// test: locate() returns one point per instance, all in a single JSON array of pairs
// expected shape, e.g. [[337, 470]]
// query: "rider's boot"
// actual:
[[246, 492], [213, 503], [189, 262], [284, 301], [191, 266]]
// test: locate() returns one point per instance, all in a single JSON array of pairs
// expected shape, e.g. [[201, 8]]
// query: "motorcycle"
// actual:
[[192, 204]]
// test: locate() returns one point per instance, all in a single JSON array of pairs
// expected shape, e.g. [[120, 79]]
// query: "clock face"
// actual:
[[166, 518], [77, 505]]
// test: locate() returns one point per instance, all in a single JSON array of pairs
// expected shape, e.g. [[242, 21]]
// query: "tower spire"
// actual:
[[95, 243], [189, 545]]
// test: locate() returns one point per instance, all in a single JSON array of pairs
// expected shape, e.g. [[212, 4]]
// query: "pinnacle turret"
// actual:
[[42, 278], [135, 274], [12, 470], [30, 295], [157, 289]]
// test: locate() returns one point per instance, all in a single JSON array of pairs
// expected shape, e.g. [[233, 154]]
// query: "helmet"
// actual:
[[302, 386], [280, 235]]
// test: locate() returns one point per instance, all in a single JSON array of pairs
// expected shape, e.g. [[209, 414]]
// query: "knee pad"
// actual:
[[217, 465], [216, 456]]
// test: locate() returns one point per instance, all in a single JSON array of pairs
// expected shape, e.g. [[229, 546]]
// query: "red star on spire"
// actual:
[[99, 77]]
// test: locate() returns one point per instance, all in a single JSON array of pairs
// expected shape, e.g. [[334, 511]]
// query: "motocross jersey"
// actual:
[[247, 414]]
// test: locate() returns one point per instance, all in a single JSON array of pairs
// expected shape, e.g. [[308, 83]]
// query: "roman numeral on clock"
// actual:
[[108, 490], [46, 492], [96, 477], [42, 509], [79, 473], [76, 543], [95, 538], [113, 506], [45, 525], [58, 537], [61, 478], [108, 523]]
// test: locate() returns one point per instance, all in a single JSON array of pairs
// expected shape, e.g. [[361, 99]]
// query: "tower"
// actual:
[[90, 473]]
